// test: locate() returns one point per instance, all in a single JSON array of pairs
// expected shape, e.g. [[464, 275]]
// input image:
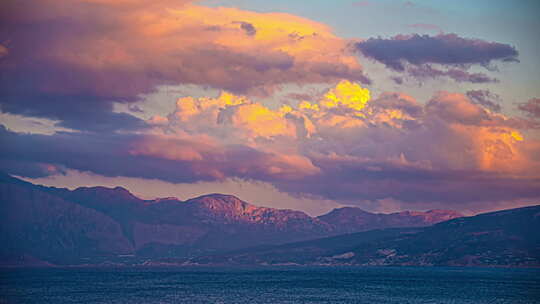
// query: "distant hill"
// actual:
[[97, 224], [350, 219], [503, 238]]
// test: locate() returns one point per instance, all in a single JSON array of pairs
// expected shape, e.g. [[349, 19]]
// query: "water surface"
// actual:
[[271, 285]]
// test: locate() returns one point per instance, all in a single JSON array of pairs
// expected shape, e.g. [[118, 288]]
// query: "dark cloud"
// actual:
[[392, 101], [114, 154], [248, 28], [417, 53], [357, 181], [29, 168], [427, 71], [397, 80], [486, 99], [74, 112], [446, 49]]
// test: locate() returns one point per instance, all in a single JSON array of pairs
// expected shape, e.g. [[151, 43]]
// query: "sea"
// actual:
[[370, 285]]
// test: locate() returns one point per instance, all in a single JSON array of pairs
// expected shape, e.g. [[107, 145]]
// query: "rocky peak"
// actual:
[[227, 205], [229, 208]]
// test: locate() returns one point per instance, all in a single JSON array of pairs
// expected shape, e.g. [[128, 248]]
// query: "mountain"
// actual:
[[503, 238], [35, 225], [210, 222], [350, 219], [144, 228], [95, 224]]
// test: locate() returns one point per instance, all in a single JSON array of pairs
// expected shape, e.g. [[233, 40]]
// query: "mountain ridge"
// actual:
[[167, 227], [352, 219], [511, 240]]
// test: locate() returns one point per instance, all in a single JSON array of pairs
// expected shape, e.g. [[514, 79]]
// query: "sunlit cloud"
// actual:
[[74, 74], [344, 145], [64, 56]]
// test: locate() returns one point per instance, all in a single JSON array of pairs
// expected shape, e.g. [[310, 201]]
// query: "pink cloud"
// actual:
[[66, 55]]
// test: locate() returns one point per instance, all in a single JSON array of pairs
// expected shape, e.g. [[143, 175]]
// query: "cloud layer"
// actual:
[[344, 146], [417, 55], [73, 62], [531, 108], [70, 60]]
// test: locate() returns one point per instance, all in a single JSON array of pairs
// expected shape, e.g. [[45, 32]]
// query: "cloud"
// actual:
[[456, 108], [427, 71], [71, 61], [247, 27], [416, 54], [62, 56], [176, 159], [361, 148], [234, 118], [397, 80], [344, 145], [531, 108], [447, 49], [31, 169], [486, 99]]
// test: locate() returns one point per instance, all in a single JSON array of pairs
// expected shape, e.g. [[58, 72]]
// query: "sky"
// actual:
[[305, 105]]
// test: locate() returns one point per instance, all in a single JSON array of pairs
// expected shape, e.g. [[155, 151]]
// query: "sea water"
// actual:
[[271, 285]]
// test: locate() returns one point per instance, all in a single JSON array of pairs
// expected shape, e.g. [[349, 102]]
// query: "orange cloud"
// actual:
[[457, 108], [450, 132], [258, 121], [207, 159], [61, 56], [390, 147], [119, 49], [346, 94], [77, 54]]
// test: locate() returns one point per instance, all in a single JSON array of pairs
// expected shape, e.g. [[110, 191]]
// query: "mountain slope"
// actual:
[[209, 222], [97, 220], [503, 238], [45, 227], [90, 224]]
